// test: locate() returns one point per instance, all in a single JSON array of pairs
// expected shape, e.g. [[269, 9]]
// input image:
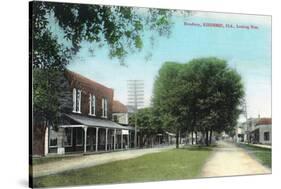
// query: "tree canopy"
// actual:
[[121, 29], [148, 123], [204, 94]]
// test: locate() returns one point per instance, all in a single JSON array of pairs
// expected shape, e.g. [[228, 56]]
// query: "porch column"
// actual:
[[85, 139], [114, 142], [106, 130], [128, 139], [97, 138], [121, 139]]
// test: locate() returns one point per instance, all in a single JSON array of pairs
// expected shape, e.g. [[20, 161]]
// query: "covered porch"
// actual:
[[87, 135]]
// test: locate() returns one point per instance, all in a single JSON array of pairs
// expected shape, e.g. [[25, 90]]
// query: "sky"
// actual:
[[246, 50]]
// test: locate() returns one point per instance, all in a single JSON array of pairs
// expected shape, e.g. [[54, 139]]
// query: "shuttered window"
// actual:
[[76, 100], [104, 107], [92, 105]]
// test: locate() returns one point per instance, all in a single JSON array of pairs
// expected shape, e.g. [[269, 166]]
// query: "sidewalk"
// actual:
[[91, 160], [258, 145], [230, 160]]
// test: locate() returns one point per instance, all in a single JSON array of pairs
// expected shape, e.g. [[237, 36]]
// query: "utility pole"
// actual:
[[135, 99]]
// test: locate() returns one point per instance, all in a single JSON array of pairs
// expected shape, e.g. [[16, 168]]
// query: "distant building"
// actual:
[[254, 130], [240, 133], [262, 132], [120, 113]]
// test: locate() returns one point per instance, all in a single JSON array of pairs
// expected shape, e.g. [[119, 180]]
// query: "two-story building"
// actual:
[[88, 127], [262, 131], [254, 130]]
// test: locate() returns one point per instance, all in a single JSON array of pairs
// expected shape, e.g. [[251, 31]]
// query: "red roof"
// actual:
[[87, 84], [118, 107], [264, 121]]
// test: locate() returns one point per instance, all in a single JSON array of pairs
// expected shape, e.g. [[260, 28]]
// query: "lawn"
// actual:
[[263, 155], [168, 165]]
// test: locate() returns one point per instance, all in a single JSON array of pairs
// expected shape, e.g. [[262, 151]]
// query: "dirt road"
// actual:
[[230, 160]]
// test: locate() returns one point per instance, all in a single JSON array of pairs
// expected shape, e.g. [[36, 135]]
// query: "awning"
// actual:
[[94, 122], [170, 134]]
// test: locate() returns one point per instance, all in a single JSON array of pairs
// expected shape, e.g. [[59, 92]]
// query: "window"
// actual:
[[67, 137], [53, 138], [266, 136], [76, 100], [92, 105], [115, 118], [79, 137], [104, 107]]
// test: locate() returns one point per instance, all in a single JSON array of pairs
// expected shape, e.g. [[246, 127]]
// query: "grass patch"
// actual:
[[169, 165], [263, 155]]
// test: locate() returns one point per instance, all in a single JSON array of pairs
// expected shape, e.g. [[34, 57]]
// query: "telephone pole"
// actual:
[[135, 99]]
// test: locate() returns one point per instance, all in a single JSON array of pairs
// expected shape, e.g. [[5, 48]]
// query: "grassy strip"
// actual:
[[169, 165], [263, 155]]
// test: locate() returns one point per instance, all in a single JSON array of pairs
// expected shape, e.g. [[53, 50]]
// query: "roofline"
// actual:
[[86, 78]]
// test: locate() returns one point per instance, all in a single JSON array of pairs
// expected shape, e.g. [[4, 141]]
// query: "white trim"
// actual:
[[92, 105], [72, 126], [104, 108], [46, 147], [79, 100], [74, 100]]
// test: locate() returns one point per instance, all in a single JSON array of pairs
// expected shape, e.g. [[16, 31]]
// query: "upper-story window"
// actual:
[[104, 107], [76, 100], [92, 105]]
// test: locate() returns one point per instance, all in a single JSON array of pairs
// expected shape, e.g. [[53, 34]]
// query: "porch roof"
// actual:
[[94, 122]]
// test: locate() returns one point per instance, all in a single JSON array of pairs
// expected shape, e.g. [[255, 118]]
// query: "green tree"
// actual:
[[51, 96], [218, 97], [202, 95], [120, 29], [148, 123], [167, 97]]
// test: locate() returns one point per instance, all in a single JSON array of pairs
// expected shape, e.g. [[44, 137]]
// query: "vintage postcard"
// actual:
[[129, 94]]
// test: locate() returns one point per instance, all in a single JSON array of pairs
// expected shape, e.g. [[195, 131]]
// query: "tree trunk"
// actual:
[[192, 137], [210, 140], [206, 139], [177, 139], [196, 139]]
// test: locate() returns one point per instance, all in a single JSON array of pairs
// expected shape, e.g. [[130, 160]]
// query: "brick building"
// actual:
[[86, 124]]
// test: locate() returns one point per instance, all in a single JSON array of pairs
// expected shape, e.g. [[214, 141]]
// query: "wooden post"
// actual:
[[128, 139], [106, 130], [97, 138], [114, 142], [121, 139], [85, 139]]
